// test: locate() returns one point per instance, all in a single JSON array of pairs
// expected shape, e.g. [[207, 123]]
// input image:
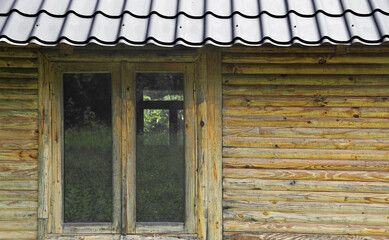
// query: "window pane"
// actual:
[[160, 157], [88, 147]]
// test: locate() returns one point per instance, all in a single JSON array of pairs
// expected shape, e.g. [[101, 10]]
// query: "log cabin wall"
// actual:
[[18, 143], [306, 143]]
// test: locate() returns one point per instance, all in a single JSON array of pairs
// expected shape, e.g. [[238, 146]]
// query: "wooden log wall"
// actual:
[[18, 144], [305, 144]]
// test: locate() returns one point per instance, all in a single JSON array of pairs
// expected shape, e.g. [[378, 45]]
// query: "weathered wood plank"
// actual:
[[18, 205], [306, 58], [17, 104], [306, 228], [347, 69], [318, 91], [306, 122], [17, 225], [305, 101], [305, 185], [305, 217], [18, 72], [21, 94], [292, 236], [18, 155], [313, 207], [18, 123], [18, 185], [269, 142], [18, 83], [18, 170], [350, 112], [10, 51], [21, 235], [320, 175], [18, 63], [301, 196], [313, 164], [19, 144], [16, 134], [378, 155], [16, 195], [21, 214], [330, 133]]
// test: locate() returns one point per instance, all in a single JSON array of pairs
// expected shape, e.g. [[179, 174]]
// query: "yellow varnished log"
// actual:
[[350, 112], [318, 91], [18, 155], [305, 122], [19, 144], [305, 217], [305, 101], [318, 175], [17, 104], [314, 207], [302, 196], [347, 69], [16, 134], [306, 228], [335, 154], [269, 142], [313, 164], [305, 185], [18, 170], [329, 133], [21, 94]]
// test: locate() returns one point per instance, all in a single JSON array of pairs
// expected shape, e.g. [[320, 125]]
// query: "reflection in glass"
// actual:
[[160, 158], [88, 147]]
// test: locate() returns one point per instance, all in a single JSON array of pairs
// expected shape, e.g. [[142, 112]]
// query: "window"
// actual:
[[123, 155]]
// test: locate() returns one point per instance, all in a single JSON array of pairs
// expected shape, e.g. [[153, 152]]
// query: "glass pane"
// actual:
[[160, 157], [88, 147]]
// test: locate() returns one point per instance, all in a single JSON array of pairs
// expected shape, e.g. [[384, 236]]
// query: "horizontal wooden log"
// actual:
[[18, 214], [305, 217], [10, 51], [18, 185], [19, 144], [18, 123], [20, 235], [119, 237], [16, 134], [305, 185], [18, 205], [18, 83], [346, 69], [336, 154], [14, 225], [318, 91], [18, 155], [295, 236], [305, 101], [306, 58], [18, 170], [301, 196], [319, 175], [21, 94], [306, 228], [269, 142], [354, 112], [16, 195], [312, 164], [330, 133], [18, 63], [16, 104], [18, 73], [313, 207], [19, 114], [306, 122]]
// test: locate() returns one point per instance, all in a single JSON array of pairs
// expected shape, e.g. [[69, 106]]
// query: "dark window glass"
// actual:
[[88, 147], [160, 158]]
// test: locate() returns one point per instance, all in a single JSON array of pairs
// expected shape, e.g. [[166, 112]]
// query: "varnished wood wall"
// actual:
[[305, 143], [18, 144]]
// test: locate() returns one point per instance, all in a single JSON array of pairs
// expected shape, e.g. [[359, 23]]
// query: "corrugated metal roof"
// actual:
[[194, 22]]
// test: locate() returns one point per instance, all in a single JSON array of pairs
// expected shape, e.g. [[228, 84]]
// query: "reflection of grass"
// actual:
[[160, 182], [88, 178], [88, 174]]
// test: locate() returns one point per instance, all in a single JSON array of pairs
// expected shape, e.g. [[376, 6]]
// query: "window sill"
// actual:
[[120, 237]]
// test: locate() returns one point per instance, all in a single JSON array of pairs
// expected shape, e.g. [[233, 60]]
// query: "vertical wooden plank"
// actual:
[[44, 142], [214, 161], [124, 147]]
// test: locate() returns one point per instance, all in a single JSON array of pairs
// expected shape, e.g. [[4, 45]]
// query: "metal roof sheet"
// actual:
[[194, 22]]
